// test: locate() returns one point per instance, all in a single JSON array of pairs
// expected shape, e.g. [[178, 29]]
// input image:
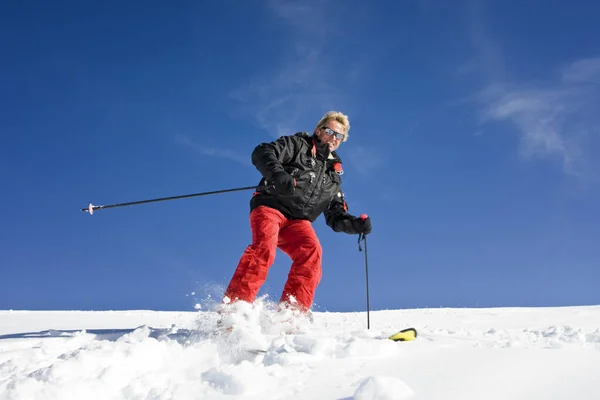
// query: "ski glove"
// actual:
[[284, 183], [361, 224]]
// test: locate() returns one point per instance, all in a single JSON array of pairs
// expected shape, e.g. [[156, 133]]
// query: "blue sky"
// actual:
[[474, 148]]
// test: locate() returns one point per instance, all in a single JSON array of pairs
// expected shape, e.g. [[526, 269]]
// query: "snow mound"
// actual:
[[459, 354]]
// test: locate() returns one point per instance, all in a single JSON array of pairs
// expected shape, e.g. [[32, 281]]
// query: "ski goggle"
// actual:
[[331, 132]]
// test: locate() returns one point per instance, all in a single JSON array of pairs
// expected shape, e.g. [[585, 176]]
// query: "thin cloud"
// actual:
[[555, 118], [537, 115], [487, 58], [303, 83], [365, 160], [586, 71], [227, 154]]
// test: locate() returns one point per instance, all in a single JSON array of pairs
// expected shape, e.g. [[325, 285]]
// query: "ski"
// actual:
[[404, 335]]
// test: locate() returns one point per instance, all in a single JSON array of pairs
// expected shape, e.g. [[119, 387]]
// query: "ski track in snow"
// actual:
[[511, 353]]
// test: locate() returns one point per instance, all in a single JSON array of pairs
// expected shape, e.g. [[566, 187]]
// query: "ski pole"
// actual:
[[363, 237], [91, 208]]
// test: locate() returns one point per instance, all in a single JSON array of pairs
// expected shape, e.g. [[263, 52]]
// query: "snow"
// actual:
[[467, 354]]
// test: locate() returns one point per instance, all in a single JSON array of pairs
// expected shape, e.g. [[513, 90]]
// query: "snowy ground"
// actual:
[[466, 354]]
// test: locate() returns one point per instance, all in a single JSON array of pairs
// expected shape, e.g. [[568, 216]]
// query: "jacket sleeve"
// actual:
[[337, 216], [269, 158]]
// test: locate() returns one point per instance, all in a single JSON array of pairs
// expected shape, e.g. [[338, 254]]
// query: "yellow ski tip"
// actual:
[[404, 335]]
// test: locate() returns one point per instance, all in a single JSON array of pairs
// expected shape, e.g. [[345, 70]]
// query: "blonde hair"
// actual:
[[338, 117]]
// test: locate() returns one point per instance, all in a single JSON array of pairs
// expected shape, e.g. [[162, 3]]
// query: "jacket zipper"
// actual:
[[316, 192]]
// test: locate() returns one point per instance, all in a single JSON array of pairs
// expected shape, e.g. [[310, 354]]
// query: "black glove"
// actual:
[[284, 183], [361, 224]]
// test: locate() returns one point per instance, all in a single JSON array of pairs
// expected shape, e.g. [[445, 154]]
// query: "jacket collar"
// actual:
[[321, 150]]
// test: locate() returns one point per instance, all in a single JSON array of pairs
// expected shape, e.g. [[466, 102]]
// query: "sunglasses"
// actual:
[[331, 132]]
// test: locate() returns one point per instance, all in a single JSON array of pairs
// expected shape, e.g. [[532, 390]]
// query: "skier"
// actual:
[[301, 180]]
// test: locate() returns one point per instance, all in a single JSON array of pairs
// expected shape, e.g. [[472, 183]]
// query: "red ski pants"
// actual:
[[297, 239]]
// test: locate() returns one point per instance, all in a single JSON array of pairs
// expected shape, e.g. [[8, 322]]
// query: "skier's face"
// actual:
[[331, 140]]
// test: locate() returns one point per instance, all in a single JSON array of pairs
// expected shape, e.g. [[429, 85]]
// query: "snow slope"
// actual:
[[467, 354]]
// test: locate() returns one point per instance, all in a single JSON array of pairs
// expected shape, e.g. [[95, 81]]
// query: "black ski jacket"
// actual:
[[318, 185]]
